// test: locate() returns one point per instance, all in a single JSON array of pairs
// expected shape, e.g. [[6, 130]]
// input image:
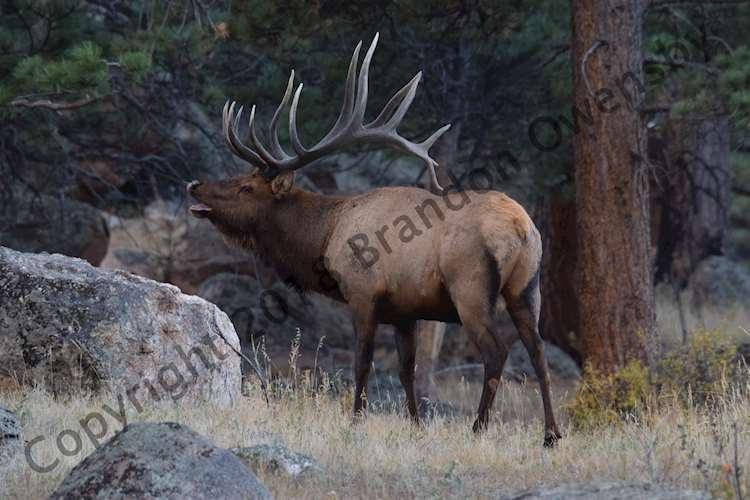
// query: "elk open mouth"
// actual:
[[200, 210]]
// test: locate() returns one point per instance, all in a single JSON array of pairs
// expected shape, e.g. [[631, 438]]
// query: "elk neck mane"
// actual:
[[292, 236]]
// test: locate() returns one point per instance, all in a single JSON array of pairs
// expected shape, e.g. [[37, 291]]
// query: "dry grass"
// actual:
[[386, 457], [733, 321]]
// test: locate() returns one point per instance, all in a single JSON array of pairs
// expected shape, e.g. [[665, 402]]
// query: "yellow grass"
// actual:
[[387, 457]]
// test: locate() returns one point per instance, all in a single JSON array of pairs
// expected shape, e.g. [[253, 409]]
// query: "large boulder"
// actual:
[[67, 325], [160, 461], [167, 244], [622, 490], [44, 223], [275, 313]]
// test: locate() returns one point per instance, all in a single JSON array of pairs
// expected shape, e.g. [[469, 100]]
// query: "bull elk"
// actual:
[[472, 258]]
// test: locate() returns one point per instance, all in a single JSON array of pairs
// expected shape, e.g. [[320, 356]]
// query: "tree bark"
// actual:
[[616, 301], [559, 322]]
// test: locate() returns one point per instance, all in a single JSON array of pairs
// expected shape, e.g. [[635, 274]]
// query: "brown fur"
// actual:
[[447, 258]]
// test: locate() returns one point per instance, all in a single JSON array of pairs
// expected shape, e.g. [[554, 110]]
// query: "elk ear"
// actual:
[[281, 184]]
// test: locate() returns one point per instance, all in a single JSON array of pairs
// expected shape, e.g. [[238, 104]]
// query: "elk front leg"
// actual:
[[364, 328], [406, 343]]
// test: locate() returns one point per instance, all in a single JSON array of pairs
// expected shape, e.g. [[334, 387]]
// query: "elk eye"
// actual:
[[246, 189]]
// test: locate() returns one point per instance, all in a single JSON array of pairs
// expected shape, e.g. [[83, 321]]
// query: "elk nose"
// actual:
[[192, 186]]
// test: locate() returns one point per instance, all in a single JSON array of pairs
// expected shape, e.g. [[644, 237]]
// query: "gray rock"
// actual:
[[620, 490], [278, 460], [11, 438], [275, 313], [160, 461], [44, 223], [719, 281], [10, 427], [560, 364], [167, 244], [67, 325]]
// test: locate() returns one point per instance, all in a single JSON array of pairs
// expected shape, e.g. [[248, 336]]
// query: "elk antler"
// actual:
[[348, 129]]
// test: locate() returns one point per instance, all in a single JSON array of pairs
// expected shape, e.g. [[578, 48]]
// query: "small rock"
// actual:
[[277, 459], [160, 461], [560, 364], [621, 490], [10, 427], [10, 434]]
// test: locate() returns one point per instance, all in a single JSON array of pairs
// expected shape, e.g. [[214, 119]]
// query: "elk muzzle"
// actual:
[[199, 210]]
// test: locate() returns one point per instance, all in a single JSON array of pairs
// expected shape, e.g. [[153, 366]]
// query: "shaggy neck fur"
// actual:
[[292, 236]]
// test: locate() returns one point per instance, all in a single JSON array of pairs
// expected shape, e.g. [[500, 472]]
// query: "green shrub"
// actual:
[[699, 372], [605, 399]]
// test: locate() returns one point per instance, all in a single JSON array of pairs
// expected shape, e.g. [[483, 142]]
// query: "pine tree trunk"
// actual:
[[559, 318], [616, 304]]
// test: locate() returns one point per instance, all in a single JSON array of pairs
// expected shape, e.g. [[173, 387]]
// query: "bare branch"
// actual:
[[557, 52], [655, 4], [55, 106], [651, 59]]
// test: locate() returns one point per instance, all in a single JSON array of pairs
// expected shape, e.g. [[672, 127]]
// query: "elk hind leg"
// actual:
[[524, 311], [477, 321]]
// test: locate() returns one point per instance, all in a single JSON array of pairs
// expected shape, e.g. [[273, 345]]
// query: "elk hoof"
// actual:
[[478, 427], [551, 439]]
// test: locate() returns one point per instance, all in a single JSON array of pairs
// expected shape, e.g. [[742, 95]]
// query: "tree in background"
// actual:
[[616, 304], [123, 98]]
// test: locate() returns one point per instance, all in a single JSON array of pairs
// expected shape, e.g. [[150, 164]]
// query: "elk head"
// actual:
[[233, 205]]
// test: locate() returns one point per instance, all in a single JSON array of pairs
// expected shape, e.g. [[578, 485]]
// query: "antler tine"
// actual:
[[230, 134], [433, 175], [394, 102], [427, 143], [403, 107], [421, 151], [350, 89], [262, 151], [348, 129], [273, 127], [293, 134], [361, 104]]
